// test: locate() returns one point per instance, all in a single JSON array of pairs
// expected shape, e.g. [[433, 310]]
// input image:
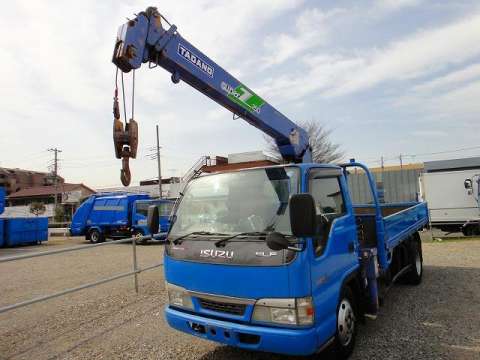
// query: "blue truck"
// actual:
[[2, 200], [275, 258], [21, 230], [2, 221], [117, 216], [282, 261]]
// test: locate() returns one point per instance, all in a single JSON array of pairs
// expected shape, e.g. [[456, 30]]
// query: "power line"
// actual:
[[445, 151], [401, 157]]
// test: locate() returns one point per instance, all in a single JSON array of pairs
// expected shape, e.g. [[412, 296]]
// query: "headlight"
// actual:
[[178, 296], [284, 311]]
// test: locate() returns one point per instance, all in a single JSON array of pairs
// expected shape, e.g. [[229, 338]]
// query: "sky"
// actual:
[[388, 78]]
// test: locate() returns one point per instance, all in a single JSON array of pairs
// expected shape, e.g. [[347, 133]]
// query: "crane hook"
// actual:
[[125, 141], [125, 175]]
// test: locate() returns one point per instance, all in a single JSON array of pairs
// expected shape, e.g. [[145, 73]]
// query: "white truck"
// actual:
[[453, 200]]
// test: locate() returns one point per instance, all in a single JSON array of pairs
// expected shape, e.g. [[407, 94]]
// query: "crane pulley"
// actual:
[[125, 138]]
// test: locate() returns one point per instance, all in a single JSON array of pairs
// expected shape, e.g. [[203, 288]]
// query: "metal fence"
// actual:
[[135, 270], [398, 186]]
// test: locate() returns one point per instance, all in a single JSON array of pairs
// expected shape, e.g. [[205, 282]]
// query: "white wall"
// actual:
[[24, 211]]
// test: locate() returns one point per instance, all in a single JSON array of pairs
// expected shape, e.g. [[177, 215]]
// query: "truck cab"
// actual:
[[278, 258], [140, 212]]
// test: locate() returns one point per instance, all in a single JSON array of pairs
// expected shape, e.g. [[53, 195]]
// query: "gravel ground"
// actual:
[[436, 320]]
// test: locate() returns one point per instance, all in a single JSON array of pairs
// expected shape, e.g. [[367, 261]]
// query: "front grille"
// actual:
[[234, 309]]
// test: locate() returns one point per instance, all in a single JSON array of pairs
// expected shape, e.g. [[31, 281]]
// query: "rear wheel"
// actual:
[[471, 230], [414, 276], [95, 236], [346, 324]]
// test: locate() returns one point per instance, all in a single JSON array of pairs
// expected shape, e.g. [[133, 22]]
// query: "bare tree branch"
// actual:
[[323, 149]]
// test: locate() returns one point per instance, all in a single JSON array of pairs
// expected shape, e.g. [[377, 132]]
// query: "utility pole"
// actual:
[[159, 167], [55, 172], [401, 161]]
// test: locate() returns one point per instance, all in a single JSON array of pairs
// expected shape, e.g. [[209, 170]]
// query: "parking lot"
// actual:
[[437, 320]]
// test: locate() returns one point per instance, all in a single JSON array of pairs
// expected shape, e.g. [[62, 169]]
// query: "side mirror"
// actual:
[[468, 183], [303, 215], [277, 241], [153, 221]]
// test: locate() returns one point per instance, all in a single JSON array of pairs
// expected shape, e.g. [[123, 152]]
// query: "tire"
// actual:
[[347, 316], [137, 234], [471, 230], [95, 236], [414, 276]]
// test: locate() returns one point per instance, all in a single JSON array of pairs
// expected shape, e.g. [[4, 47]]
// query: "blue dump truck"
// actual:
[[2, 221], [21, 230], [2, 200], [279, 259], [117, 216]]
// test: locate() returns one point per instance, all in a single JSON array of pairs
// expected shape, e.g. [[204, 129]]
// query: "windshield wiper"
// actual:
[[179, 239], [251, 233]]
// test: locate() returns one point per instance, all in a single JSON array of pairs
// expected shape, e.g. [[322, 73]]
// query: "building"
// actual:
[[170, 188], [68, 195], [239, 161], [472, 163], [14, 180], [401, 183]]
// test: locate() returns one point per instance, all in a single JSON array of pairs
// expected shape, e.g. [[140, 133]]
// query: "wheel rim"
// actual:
[[346, 322], [418, 262], [137, 237], [94, 236]]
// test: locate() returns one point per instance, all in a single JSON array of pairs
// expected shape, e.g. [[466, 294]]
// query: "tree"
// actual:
[[59, 215], [323, 149], [37, 208]]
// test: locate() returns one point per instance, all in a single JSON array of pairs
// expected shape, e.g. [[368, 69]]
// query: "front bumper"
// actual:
[[268, 339]]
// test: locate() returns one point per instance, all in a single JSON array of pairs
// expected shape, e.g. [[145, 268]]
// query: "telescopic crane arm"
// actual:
[[145, 39]]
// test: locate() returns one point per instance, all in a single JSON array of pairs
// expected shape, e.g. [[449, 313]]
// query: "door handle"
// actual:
[[351, 247]]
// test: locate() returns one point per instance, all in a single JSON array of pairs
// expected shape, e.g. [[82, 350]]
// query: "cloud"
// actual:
[[58, 88], [225, 30], [452, 79], [429, 133], [421, 54], [393, 5], [459, 104], [323, 72], [310, 30]]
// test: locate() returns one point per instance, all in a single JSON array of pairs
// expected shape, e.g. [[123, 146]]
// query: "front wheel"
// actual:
[[346, 325]]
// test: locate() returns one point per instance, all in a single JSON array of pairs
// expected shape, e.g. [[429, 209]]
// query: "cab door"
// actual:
[[334, 254]]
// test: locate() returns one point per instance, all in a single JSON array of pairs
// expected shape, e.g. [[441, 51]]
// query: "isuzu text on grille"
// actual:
[[216, 253]]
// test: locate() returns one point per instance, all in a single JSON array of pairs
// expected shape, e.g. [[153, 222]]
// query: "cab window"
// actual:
[[329, 203], [328, 196]]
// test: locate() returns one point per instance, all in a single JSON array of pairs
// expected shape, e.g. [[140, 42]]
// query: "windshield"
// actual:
[[164, 207], [244, 201]]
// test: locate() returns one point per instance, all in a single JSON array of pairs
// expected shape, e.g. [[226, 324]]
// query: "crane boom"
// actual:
[[145, 39]]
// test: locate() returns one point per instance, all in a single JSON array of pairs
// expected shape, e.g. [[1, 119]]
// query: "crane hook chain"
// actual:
[[125, 140]]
